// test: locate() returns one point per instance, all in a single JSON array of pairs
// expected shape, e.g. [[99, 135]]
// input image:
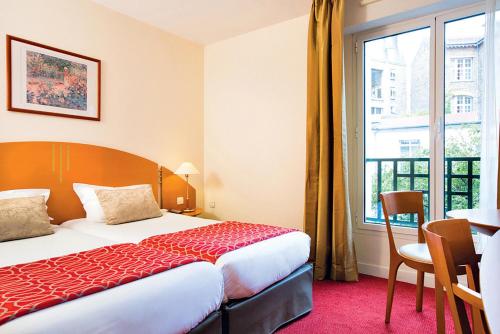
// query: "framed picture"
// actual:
[[49, 81]]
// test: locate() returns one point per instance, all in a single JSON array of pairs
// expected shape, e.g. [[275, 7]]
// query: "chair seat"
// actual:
[[416, 252]]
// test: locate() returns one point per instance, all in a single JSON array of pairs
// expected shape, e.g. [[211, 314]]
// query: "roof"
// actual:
[[468, 42], [414, 122]]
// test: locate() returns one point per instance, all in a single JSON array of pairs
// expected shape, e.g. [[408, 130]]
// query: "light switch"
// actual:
[[211, 204], [180, 200]]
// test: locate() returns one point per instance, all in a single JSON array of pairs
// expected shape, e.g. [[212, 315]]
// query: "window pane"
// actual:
[[464, 50], [396, 116]]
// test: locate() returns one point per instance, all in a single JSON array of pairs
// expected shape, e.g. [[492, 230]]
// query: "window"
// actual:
[[376, 84], [409, 147], [462, 128], [386, 144], [393, 75], [393, 93], [463, 104], [463, 69], [438, 61]]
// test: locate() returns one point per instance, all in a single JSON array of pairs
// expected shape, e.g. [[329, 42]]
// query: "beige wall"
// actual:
[[152, 82], [255, 114]]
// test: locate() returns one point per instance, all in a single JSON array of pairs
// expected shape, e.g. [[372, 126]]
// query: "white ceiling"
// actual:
[[209, 21]]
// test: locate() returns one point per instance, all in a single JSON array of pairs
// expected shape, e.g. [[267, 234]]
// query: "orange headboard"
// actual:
[[57, 165]]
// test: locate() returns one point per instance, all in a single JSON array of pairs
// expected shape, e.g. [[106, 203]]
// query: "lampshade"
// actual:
[[187, 168]]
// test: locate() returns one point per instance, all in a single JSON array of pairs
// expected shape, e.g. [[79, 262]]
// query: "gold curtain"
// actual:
[[327, 213]]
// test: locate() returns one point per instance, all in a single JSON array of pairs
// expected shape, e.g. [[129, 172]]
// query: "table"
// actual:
[[484, 221], [196, 212], [488, 280]]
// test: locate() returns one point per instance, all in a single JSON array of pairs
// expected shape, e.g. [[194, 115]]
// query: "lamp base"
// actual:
[[188, 210]]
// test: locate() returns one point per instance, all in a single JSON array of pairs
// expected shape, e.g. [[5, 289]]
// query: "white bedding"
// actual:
[[174, 301], [246, 271]]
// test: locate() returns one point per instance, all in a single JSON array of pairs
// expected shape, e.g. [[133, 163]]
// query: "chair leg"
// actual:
[[420, 289], [440, 320], [476, 314], [393, 272], [477, 321]]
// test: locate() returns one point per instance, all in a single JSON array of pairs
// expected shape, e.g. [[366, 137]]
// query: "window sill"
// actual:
[[381, 228], [407, 233]]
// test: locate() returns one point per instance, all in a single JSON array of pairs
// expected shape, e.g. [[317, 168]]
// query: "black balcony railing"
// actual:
[[461, 184]]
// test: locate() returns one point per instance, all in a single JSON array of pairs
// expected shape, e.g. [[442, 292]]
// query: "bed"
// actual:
[[267, 284], [247, 271], [177, 300]]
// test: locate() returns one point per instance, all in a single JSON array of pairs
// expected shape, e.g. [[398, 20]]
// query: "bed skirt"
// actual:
[[273, 307], [211, 325]]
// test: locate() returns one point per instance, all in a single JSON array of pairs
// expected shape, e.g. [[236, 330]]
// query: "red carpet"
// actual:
[[341, 307]]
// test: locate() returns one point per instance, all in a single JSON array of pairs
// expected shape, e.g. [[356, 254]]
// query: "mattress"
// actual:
[[174, 301], [246, 271]]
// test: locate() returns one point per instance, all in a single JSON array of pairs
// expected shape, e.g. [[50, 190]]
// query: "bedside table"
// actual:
[[196, 212]]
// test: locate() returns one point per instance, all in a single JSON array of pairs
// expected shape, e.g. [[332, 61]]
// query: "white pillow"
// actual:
[[90, 202], [20, 193]]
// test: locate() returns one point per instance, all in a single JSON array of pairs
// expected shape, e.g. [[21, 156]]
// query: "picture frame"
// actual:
[[45, 80]]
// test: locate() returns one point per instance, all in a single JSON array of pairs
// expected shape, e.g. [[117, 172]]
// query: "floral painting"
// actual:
[[55, 82], [45, 80]]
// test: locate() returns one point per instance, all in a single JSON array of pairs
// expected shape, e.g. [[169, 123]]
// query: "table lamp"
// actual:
[[186, 169]]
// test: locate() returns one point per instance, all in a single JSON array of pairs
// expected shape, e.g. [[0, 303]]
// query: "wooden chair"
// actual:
[[414, 255], [450, 244]]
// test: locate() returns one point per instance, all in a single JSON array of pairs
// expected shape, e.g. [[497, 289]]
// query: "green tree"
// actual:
[[464, 143]]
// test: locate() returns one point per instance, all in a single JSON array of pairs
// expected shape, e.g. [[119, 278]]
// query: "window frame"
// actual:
[[392, 93], [379, 93], [411, 144], [441, 20], [466, 101], [465, 69], [436, 23], [392, 75]]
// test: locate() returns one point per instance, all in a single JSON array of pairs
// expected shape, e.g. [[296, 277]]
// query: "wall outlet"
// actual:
[[180, 200], [211, 204]]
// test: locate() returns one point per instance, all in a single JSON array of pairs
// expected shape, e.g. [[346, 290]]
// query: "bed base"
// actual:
[[211, 325], [273, 307]]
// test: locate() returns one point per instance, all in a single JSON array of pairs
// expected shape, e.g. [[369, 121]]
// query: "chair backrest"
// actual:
[[450, 244], [403, 202]]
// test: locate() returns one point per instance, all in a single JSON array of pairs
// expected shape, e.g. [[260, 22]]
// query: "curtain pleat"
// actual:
[[327, 214]]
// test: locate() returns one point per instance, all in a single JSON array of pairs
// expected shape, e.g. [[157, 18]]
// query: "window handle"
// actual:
[[439, 126]]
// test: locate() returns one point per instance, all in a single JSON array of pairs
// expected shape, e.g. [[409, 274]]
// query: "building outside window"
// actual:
[[377, 111]]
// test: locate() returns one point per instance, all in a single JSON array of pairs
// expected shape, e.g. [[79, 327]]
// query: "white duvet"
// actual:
[[174, 301], [246, 271]]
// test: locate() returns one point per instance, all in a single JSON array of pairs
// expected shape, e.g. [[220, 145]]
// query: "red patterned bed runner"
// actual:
[[30, 287], [210, 242]]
